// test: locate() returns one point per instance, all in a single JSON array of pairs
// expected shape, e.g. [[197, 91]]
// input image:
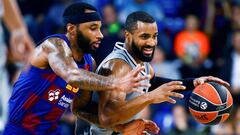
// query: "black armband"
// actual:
[[158, 81]]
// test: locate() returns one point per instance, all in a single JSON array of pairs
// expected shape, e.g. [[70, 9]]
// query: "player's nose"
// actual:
[[99, 35], [151, 42]]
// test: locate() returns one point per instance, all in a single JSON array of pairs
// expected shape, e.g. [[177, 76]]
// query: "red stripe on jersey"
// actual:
[[32, 99], [52, 116], [50, 77], [30, 121]]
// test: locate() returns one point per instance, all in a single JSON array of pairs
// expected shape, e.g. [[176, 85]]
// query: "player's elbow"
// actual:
[[107, 121], [104, 121]]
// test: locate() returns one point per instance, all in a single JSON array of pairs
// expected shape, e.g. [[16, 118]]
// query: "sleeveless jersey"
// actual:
[[119, 52], [39, 99]]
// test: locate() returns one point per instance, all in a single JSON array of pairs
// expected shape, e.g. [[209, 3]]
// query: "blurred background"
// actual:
[[196, 38]]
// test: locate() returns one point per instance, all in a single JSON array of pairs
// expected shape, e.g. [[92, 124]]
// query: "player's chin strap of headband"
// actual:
[[82, 18]]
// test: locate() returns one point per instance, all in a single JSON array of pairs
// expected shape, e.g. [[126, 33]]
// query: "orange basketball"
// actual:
[[210, 103]]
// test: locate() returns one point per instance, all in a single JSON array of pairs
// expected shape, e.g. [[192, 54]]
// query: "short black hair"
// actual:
[[77, 8], [133, 18]]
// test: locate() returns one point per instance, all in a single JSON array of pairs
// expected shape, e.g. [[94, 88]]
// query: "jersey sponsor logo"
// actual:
[[72, 89], [53, 95], [65, 101]]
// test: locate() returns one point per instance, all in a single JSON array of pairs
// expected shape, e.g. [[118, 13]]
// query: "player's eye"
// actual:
[[93, 28], [144, 36]]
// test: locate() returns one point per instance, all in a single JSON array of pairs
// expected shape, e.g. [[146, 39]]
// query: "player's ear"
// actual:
[[127, 35], [71, 29]]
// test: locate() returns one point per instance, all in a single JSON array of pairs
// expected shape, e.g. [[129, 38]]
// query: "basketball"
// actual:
[[210, 103]]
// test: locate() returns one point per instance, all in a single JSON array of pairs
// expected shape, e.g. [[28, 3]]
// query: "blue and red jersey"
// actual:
[[39, 99]]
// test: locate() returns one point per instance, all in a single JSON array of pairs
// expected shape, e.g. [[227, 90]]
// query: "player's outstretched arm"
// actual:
[[61, 61], [113, 107], [190, 83]]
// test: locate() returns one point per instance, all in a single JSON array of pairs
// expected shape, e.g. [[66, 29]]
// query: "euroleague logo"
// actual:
[[203, 105], [53, 95]]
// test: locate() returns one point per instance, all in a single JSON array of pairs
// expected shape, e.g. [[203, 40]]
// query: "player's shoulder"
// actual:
[[117, 63], [55, 44], [115, 66]]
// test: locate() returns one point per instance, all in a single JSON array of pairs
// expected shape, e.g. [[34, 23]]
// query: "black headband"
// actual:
[[82, 18]]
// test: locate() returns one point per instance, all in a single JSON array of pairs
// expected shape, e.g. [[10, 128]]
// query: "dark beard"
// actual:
[[84, 43], [140, 55]]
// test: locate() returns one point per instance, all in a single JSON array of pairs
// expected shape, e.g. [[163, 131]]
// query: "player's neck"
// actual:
[[77, 53]]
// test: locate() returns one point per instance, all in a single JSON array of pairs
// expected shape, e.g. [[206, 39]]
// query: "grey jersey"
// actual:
[[119, 52]]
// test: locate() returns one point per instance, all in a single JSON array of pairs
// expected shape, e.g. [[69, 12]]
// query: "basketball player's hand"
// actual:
[[21, 45], [139, 127], [131, 81], [204, 79], [165, 92]]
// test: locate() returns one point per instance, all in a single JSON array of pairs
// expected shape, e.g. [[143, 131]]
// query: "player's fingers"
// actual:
[[170, 100], [141, 84], [218, 80], [137, 70], [152, 130], [174, 83], [176, 87], [175, 94], [136, 90], [152, 127], [199, 82], [141, 78], [144, 85]]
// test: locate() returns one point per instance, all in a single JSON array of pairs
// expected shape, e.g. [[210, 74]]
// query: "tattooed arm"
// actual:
[[55, 53]]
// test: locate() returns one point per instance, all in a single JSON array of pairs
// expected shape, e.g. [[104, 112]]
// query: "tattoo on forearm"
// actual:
[[93, 81], [63, 64]]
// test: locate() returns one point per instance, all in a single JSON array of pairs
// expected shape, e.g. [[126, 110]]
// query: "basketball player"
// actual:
[[119, 107], [56, 72]]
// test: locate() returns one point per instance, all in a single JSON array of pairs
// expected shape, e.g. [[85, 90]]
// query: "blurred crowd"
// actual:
[[196, 38]]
